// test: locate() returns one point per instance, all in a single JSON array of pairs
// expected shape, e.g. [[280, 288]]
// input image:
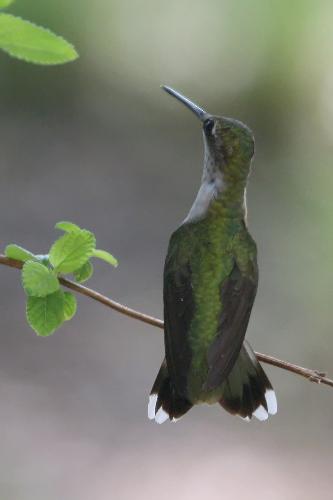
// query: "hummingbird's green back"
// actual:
[[210, 264]]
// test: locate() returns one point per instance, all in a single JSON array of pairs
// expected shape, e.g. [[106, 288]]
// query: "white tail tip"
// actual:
[[161, 416], [151, 406], [271, 401], [260, 413]]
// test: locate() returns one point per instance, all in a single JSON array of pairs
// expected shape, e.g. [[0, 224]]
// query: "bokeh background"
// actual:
[[97, 142]]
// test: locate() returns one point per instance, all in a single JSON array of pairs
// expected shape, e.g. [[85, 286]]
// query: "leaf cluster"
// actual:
[[48, 306]]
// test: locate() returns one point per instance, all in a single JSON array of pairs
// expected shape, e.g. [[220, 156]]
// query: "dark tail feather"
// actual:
[[164, 402], [247, 391]]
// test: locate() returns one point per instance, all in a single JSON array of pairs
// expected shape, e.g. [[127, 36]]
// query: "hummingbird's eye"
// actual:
[[208, 125]]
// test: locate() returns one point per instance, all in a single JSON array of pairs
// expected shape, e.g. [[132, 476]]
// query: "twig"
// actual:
[[312, 375]]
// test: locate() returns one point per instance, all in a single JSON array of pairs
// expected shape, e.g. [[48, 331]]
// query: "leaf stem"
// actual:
[[316, 376]]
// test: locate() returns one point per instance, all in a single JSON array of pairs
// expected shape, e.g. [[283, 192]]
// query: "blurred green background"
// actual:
[[97, 142]]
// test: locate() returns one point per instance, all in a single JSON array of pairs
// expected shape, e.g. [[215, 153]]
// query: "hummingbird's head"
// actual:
[[229, 144]]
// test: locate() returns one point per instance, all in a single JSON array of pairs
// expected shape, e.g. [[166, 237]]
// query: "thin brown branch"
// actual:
[[312, 375]]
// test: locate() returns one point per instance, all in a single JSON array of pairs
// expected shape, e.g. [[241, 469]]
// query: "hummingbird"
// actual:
[[210, 284]]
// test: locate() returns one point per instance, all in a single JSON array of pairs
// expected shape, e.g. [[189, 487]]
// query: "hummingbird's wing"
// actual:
[[237, 297], [178, 313]]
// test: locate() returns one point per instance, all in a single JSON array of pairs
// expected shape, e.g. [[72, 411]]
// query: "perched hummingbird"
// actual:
[[210, 283]]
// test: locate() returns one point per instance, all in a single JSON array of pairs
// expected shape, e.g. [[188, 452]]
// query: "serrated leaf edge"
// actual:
[[75, 301], [76, 228], [67, 256], [31, 326], [27, 262], [36, 61], [21, 248]]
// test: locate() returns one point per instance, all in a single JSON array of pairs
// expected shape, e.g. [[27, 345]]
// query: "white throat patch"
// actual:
[[208, 191]]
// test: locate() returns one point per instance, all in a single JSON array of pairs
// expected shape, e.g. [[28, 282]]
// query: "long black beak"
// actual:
[[200, 113]]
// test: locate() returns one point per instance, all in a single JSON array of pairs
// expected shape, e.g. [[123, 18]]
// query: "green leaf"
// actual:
[[72, 250], [102, 254], [45, 314], [70, 305], [25, 40], [5, 3], [68, 227], [38, 280], [84, 273], [18, 253]]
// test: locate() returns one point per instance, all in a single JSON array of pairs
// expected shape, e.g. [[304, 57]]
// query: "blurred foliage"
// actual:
[[24, 40]]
